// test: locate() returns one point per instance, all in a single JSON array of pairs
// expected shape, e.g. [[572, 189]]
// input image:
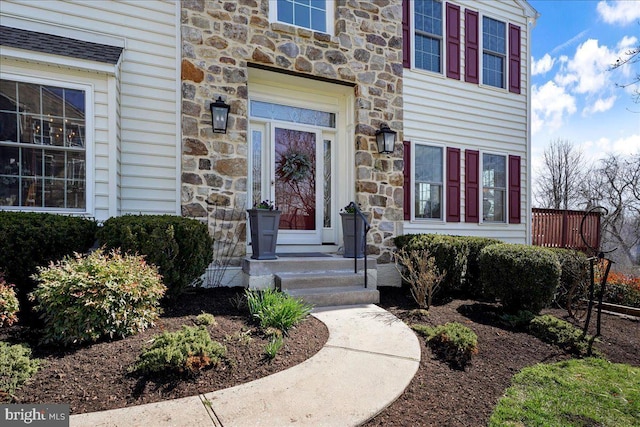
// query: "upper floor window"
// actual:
[[428, 35], [494, 187], [42, 146], [494, 51], [428, 181], [315, 15]]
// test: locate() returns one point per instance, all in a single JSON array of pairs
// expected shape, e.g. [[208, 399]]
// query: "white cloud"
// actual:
[[543, 65], [627, 145], [622, 12], [589, 67], [550, 104], [600, 106]]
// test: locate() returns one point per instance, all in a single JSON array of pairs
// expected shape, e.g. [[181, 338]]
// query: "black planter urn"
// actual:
[[352, 225], [264, 232]]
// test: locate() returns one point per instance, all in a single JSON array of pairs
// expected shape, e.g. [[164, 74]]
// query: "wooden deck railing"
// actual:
[[559, 228]]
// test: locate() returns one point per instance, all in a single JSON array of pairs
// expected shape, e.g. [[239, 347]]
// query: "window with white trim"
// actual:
[[494, 52], [494, 187], [42, 146], [428, 29], [315, 15], [428, 181]]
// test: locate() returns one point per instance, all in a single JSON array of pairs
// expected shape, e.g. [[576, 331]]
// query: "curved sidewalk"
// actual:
[[367, 362]]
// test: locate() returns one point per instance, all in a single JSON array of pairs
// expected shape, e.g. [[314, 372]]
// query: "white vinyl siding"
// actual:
[[456, 114], [141, 132]]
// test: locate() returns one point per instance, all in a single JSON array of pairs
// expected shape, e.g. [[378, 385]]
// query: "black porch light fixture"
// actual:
[[219, 115], [386, 139]]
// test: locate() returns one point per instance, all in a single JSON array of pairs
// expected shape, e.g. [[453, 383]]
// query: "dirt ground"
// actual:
[[95, 377]]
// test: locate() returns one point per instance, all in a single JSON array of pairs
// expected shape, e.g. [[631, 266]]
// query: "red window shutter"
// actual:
[[453, 41], [514, 190], [471, 47], [453, 184], [407, 180], [472, 186], [514, 58], [406, 33]]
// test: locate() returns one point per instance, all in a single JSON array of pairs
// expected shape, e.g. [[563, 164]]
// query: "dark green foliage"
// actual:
[[180, 247], [556, 331], [186, 351], [84, 299], [16, 367], [275, 309], [522, 277], [452, 342], [457, 255], [29, 240]]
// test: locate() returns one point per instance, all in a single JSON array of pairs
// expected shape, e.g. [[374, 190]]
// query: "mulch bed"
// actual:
[[94, 378], [441, 396]]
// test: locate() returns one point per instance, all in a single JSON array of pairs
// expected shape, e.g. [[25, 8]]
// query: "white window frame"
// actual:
[[443, 45], [505, 208], [88, 89], [330, 16], [505, 64], [443, 195]]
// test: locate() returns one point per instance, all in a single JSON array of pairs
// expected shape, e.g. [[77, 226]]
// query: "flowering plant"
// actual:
[[265, 204], [350, 208]]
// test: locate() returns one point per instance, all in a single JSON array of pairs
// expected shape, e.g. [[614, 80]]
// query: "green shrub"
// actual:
[[623, 289], [556, 331], [205, 319], [457, 255], [273, 347], [90, 297], [275, 309], [574, 271], [9, 305], [522, 277], [29, 240], [186, 351], [16, 366], [180, 247], [519, 320], [452, 342]]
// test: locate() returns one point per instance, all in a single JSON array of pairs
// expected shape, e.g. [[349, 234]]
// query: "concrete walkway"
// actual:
[[366, 364]]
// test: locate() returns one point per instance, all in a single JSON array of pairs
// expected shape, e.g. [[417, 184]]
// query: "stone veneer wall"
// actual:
[[220, 38]]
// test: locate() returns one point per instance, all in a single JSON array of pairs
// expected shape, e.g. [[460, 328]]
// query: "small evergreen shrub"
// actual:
[[272, 308], [16, 367], [556, 331], [86, 298], [522, 277], [457, 255], [518, 321], [181, 248], [29, 240], [205, 319], [9, 305], [186, 351], [452, 342]]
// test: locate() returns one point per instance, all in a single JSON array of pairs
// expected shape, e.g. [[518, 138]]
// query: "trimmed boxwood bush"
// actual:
[[522, 277], [457, 255], [29, 240], [180, 247], [84, 299]]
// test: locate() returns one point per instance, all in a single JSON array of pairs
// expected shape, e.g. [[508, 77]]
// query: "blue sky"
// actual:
[[574, 96]]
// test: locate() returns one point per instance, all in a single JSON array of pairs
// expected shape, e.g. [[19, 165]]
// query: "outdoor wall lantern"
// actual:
[[219, 115], [386, 139]]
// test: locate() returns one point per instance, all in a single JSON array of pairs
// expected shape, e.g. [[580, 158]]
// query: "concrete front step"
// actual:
[[319, 279], [326, 262], [336, 296]]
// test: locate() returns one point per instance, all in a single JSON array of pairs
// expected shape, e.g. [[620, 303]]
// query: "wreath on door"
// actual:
[[294, 167]]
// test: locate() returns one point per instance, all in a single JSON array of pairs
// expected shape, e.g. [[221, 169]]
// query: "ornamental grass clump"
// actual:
[[452, 342], [9, 305], [16, 367], [187, 351], [87, 298], [272, 308]]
